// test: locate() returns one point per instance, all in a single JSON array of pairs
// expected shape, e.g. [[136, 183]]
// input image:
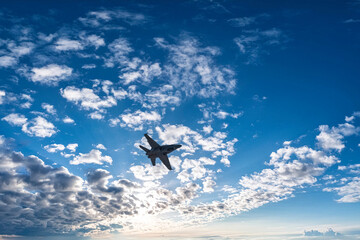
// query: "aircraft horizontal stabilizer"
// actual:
[[144, 148]]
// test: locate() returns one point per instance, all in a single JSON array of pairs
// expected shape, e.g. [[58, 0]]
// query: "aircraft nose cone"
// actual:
[[178, 146]]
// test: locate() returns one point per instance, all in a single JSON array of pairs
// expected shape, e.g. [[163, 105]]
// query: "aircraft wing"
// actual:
[[153, 161], [165, 160], [151, 141]]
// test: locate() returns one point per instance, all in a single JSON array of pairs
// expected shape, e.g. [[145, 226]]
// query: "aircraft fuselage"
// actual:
[[162, 150]]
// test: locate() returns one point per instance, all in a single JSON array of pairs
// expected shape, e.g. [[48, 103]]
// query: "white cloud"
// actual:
[[332, 138], [2, 96], [94, 40], [119, 48], [96, 115], [222, 114], [138, 119], [15, 119], [54, 147], [207, 129], [39, 127], [23, 48], [208, 185], [192, 69], [94, 157], [64, 44], [192, 140], [100, 146], [350, 192], [72, 147], [49, 108], [51, 74], [144, 74], [88, 66], [162, 96], [68, 120], [119, 93], [8, 61], [86, 98], [349, 119], [149, 172]]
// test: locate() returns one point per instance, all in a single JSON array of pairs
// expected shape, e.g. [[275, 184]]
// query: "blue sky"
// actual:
[[263, 96]]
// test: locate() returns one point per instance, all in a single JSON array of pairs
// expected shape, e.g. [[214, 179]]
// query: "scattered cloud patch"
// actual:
[[138, 119], [72, 147], [39, 127], [86, 98], [54, 148], [93, 157], [100, 146], [50, 74], [48, 108], [332, 138], [68, 120], [192, 69], [64, 44], [15, 119]]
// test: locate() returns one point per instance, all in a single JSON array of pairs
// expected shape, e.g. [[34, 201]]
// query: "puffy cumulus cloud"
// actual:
[[94, 156], [54, 147], [39, 127], [193, 140], [193, 169], [332, 138], [192, 68], [138, 119], [50, 74], [253, 43], [100, 146], [96, 115], [69, 120], [86, 98], [72, 147], [149, 172], [36, 197], [208, 185], [349, 192], [48, 108], [15, 119]]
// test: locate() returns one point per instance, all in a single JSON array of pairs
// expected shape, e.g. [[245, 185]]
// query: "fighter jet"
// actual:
[[159, 151]]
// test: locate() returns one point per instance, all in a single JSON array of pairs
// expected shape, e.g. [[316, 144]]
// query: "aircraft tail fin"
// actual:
[[144, 148]]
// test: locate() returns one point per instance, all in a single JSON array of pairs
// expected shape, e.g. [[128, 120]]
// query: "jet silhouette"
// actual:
[[159, 151]]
